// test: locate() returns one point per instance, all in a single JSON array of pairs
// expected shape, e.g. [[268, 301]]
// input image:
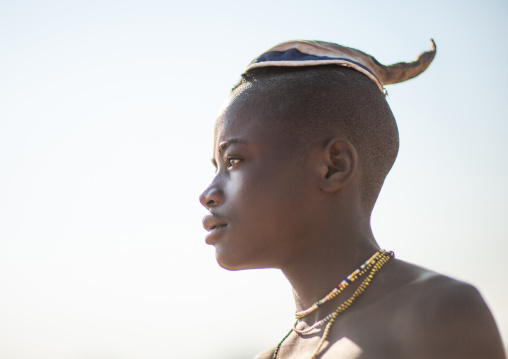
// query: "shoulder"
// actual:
[[445, 318], [267, 354]]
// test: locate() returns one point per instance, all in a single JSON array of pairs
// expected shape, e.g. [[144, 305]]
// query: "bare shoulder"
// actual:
[[412, 312], [440, 317]]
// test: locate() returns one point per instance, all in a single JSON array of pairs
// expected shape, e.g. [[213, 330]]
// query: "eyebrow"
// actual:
[[225, 144]]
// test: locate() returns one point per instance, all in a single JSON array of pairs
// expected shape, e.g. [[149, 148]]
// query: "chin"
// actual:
[[229, 264], [234, 263]]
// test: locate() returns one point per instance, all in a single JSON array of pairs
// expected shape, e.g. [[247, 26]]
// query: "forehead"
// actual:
[[247, 115]]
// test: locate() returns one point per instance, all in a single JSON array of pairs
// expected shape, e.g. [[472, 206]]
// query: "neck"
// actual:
[[326, 264]]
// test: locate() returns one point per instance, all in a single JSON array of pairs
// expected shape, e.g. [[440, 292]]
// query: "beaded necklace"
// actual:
[[384, 258], [342, 285], [380, 255]]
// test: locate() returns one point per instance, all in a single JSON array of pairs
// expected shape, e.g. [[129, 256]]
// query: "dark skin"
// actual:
[[273, 207]]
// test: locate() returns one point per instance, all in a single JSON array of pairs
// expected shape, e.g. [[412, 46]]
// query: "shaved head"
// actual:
[[319, 103]]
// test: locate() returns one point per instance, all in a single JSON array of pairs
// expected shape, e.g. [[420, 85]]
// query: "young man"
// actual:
[[302, 149]]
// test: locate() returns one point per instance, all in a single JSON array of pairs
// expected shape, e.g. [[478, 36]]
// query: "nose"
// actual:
[[211, 196]]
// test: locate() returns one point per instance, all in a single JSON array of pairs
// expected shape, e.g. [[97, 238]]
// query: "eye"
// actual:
[[233, 161]]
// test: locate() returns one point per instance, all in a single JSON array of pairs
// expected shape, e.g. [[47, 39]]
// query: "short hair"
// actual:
[[321, 102]]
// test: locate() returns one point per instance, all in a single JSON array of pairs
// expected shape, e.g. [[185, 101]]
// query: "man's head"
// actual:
[[301, 154], [267, 201], [321, 102]]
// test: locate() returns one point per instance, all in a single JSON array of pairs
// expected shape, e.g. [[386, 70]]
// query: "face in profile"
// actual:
[[260, 198]]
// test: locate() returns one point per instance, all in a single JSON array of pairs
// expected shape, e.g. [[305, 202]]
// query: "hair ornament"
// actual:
[[315, 53]]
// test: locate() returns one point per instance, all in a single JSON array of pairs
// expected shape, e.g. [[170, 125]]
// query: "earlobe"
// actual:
[[339, 166]]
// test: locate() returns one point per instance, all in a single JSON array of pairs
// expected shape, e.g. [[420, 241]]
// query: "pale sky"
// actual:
[[106, 115]]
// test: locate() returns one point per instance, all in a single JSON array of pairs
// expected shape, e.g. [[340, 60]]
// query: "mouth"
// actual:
[[212, 223], [214, 233], [217, 226]]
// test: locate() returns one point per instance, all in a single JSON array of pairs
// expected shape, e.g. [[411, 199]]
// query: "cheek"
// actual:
[[265, 201], [257, 189], [265, 213]]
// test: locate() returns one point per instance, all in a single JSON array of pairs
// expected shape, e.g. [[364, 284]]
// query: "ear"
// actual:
[[339, 165]]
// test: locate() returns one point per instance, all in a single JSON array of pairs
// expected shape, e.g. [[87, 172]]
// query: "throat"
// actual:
[[320, 301]]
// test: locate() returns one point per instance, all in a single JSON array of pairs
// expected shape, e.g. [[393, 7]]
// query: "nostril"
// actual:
[[211, 197]]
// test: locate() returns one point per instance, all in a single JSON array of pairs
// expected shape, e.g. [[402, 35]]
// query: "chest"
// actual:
[[367, 333]]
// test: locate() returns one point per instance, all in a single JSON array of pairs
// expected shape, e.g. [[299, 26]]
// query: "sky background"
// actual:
[[106, 116]]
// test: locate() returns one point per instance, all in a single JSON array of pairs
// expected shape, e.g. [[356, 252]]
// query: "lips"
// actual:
[[218, 226], [211, 223], [215, 226]]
